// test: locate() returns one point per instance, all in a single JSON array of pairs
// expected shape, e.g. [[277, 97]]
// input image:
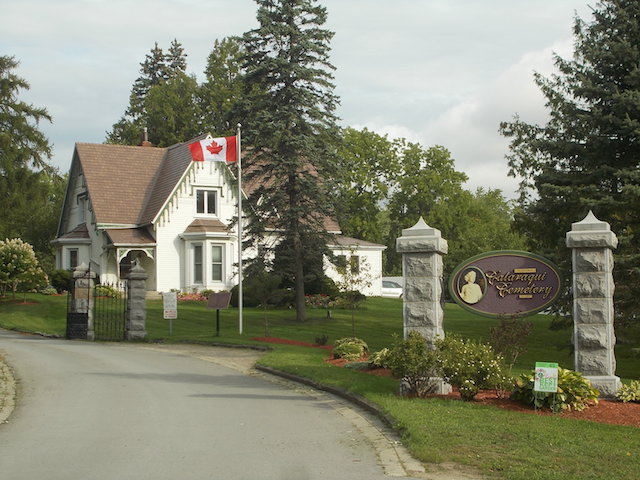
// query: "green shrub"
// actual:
[[379, 359], [49, 290], [470, 366], [350, 300], [509, 339], [329, 288], [629, 393], [107, 291], [350, 348], [60, 280], [574, 392], [415, 363], [206, 293]]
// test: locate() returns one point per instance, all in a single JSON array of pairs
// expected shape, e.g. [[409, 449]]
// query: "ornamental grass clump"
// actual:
[[471, 366], [574, 392]]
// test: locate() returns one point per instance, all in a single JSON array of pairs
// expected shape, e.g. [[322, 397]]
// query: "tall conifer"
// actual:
[[587, 156], [290, 123]]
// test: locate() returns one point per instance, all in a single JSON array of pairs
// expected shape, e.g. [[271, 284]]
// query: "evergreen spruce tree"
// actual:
[[290, 124], [586, 157], [27, 179], [223, 87], [175, 59], [155, 71]]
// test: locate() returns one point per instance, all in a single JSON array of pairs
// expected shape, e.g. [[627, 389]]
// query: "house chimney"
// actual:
[[145, 139]]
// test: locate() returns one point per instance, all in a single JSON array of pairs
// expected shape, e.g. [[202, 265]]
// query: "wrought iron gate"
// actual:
[[110, 310]]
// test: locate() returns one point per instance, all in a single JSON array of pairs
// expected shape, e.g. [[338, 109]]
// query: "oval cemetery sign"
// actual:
[[505, 283]]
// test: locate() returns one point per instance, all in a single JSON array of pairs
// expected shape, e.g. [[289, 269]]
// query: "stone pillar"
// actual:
[[422, 248], [135, 326], [592, 243], [80, 311]]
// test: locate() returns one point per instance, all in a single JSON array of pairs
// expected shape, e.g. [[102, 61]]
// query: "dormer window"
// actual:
[[206, 202]]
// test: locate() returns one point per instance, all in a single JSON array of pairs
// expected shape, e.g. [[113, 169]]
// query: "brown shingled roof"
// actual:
[[119, 179], [206, 225], [129, 185], [130, 236], [176, 162], [80, 231]]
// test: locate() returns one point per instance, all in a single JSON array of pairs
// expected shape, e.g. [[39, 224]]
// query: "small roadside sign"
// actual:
[[218, 301], [545, 377], [170, 305]]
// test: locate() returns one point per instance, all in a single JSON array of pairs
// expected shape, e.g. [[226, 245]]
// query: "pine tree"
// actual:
[[155, 71], [22, 144], [290, 123], [586, 157], [27, 179], [175, 59], [223, 86]]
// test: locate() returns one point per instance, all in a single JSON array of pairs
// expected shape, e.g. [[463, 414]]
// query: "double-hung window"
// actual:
[[216, 263], [73, 258], [207, 263], [206, 202], [197, 263]]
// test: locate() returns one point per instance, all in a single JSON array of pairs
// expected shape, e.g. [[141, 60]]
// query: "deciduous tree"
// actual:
[[19, 268], [368, 168]]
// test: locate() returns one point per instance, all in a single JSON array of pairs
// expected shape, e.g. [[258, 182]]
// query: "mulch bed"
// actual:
[[606, 411]]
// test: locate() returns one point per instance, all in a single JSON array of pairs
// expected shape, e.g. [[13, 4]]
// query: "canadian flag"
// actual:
[[214, 149]]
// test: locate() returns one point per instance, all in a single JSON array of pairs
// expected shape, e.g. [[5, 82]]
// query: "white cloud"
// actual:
[[433, 71]]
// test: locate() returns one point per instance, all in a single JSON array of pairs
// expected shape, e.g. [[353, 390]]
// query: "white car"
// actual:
[[391, 289]]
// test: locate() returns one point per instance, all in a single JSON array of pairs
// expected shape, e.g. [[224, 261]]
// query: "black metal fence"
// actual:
[[110, 310]]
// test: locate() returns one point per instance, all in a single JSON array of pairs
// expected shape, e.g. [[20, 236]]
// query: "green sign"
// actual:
[[545, 377]]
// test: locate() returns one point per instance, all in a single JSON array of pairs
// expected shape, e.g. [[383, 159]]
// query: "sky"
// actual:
[[436, 72]]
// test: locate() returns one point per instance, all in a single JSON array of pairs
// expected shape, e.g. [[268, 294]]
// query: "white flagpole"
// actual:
[[239, 161]]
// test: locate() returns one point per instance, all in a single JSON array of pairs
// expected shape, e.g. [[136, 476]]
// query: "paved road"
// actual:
[[96, 411]]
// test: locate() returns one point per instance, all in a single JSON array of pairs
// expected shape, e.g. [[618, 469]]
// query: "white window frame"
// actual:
[[207, 192], [195, 267], [220, 262], [71, 251]]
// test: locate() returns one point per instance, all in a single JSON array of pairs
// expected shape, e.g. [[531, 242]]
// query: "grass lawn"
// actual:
[[496, 442]]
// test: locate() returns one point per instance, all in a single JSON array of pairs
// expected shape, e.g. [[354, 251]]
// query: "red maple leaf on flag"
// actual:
[[214, 148]]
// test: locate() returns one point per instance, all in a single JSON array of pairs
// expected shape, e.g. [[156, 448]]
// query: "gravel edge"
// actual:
[[7, 391]]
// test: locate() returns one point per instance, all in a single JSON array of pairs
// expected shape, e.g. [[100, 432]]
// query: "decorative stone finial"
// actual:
[[420, 229], [590, 223]]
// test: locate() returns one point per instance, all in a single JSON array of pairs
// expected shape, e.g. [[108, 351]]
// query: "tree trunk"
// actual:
[[301, 309]]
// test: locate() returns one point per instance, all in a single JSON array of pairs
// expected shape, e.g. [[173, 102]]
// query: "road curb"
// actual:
[[349, 396]]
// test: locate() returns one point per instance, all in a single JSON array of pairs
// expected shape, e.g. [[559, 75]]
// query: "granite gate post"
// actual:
[[422, 249], [592, 243], [135, 325], [80, 308]]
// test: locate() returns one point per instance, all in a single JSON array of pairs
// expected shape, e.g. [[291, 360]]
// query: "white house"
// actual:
[[169, 212]]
